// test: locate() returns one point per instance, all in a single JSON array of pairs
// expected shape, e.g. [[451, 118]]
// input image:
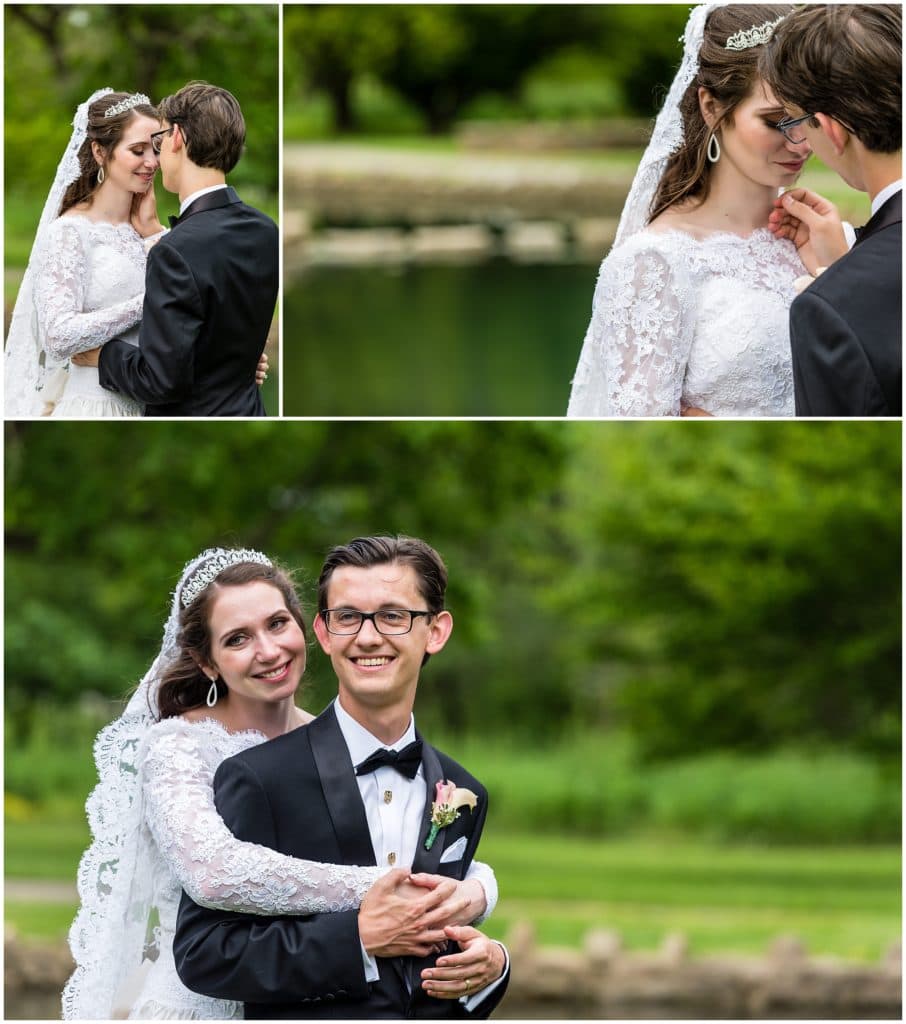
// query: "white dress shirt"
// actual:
[[394, 806], [881, 198], [184, 205]]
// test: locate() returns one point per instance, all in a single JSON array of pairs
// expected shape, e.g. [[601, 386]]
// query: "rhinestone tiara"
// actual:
[[127, 104], [755, 36], [213, 567]]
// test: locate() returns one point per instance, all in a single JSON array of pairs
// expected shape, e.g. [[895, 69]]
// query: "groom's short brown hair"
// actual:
[[364, 552], [211, 122], [844, 61]]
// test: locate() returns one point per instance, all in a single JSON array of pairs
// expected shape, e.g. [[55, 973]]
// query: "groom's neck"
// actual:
[[880, 170], [194, 179]]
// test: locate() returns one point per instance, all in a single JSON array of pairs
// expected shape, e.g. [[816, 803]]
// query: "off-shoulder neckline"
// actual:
[[99, 223], [729, 236]]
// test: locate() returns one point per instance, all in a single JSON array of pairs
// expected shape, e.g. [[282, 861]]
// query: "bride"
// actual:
[[85, 279], [690, 314], [155, 829]]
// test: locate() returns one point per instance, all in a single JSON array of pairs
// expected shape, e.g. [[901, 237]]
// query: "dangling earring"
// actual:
[[713, 149], [211, 698], [101, 175]]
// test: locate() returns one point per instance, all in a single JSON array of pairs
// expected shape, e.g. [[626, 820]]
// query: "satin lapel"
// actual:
[[890, 213], [341, 791], [428, 860], [212, 201]]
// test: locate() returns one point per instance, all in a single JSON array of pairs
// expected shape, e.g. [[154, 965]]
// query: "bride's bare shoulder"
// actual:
[[678, 218]]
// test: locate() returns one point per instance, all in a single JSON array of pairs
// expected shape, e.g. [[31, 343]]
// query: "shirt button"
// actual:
[[391, 859], [388, 795]]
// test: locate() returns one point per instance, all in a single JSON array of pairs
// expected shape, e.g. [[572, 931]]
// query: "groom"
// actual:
[[355, 786], [210, 284], [837, 71]]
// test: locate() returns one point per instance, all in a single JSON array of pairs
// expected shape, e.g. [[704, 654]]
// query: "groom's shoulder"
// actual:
[[272, 755], [456, 772]]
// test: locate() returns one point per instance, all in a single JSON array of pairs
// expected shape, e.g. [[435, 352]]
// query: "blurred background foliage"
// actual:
[[676, 627], [56, 55], [397, 68]]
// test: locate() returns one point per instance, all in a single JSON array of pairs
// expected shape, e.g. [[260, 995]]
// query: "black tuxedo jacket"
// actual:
[[210, 291], [846, 328], [298, 794]]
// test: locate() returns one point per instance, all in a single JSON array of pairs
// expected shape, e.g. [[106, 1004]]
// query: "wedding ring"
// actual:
[[468, 983]]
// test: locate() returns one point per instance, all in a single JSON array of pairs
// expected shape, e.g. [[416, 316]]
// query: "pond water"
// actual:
[[485, 339]]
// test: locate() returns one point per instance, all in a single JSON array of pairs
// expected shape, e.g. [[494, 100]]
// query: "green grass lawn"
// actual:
[[841, 901]]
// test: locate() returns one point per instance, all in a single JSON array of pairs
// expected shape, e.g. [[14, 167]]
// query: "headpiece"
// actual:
[[214, 561], [136, 99], [758, 35]]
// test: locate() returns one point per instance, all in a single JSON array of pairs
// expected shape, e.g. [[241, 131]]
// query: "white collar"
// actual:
[[881, 198], [184, 205], [360, 741]]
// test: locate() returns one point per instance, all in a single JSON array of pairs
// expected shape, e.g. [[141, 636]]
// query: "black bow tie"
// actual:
[[173, 221], [405, 761]]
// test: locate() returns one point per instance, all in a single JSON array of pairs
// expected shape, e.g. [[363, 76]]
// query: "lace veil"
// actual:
[[32, 377], [667, 136], [114, 929]]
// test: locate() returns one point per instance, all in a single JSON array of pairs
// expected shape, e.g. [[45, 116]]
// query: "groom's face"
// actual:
[[377, 672]]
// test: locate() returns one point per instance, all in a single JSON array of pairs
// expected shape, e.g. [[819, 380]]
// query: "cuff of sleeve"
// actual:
[[470, 1002], [849, 233], [370, 964]]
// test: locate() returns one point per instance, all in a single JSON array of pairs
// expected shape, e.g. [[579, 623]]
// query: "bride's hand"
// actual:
[[144, 213], [261, 370], [90, 357], [812, 223]]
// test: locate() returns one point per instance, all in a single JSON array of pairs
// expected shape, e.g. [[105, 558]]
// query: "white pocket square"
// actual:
[[455, 852]]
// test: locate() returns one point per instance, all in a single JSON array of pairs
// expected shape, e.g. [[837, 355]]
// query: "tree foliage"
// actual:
[[708, 589], [440, 58], [56, 55]]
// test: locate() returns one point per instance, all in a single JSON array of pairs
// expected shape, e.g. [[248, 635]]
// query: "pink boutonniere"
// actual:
[[445, 809]]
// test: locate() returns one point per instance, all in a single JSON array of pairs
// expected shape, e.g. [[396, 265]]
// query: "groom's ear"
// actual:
[[321, 633], [837, 135]]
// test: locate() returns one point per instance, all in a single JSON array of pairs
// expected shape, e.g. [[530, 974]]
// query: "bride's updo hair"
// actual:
[[183, 685], [106, 132], [729, 75]]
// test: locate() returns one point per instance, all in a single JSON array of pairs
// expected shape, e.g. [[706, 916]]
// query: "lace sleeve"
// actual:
[[215, 868], [60, 286], [636, 348]]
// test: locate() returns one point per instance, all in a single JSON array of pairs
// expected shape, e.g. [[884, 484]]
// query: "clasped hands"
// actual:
[[407, 914]]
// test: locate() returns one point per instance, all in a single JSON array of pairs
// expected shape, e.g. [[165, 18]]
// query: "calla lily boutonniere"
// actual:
[[445, 809]]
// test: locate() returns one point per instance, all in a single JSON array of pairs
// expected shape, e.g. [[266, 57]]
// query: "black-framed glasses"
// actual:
[[387, 621], [786, 126], [157, 138]]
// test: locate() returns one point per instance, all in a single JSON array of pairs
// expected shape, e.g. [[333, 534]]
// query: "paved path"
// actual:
[[25, 890]]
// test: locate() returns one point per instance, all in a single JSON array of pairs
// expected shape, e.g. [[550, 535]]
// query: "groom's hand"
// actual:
[[261, 370], [144, 215], [480, 962], [469, 889], [90, 357], [812, 223], [398, 918]]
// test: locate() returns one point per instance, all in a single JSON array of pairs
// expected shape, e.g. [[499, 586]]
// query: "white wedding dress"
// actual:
[[678, 321], [181, 842], [89, 289]]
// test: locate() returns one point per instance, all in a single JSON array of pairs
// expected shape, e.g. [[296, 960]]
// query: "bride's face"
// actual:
[[257, 647], [755, 148], [132, 163]]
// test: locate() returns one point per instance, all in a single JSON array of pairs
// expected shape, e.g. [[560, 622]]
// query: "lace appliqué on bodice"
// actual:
[[683, 322], [89, 289]]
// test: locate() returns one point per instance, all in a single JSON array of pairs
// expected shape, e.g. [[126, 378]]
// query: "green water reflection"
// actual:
[[487, 339]]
